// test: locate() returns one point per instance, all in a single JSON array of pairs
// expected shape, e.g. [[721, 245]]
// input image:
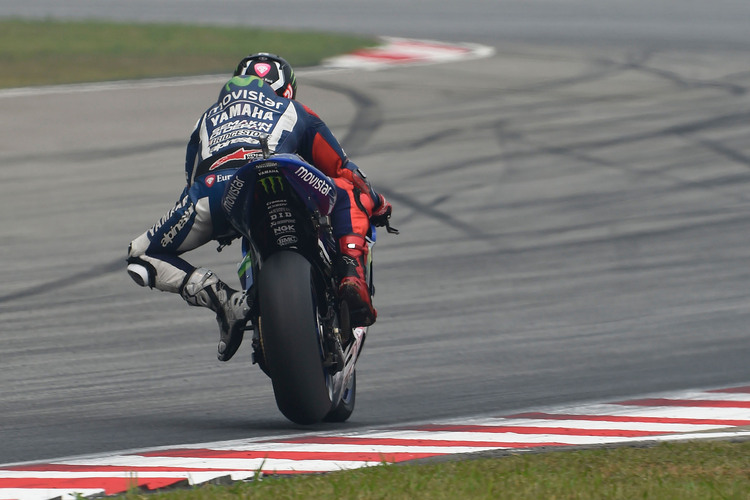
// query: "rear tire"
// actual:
[[291, 338]]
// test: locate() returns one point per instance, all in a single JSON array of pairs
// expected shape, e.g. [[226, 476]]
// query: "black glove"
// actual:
[[382, 214]]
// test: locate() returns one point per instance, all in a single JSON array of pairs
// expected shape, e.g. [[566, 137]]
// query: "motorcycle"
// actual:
[[302, 338]]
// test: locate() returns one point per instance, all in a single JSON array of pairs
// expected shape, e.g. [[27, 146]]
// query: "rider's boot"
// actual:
[[353, 287], [204, 288]]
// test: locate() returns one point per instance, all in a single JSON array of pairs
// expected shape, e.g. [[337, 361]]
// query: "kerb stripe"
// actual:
[[292, 455], [616, 418], [413, 442], [690, 403], [561, 431]]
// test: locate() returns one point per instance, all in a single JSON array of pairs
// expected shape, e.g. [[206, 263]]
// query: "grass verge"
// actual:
[[52, 52], [697, 470]]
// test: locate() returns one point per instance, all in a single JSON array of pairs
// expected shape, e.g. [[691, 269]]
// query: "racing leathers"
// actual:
[[225, 138]]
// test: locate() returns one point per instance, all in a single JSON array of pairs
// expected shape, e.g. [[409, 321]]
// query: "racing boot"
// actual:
[[204, 288], [353, 286]]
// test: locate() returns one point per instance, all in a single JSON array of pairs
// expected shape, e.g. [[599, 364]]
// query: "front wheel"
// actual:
[[291, 338]]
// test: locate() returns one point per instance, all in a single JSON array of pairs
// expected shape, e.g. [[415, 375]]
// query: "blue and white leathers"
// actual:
[[195, 220], [225, 138]]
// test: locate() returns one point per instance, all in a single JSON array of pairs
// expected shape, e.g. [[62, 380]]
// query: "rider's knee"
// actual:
[[141, 271]]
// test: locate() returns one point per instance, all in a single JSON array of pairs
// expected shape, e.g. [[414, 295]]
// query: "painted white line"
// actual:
[[726, 414], [224, 464], [704, 435], [543, 424], [502, 440], [198, 477], [78, 88], [324, 448], [46, 494]]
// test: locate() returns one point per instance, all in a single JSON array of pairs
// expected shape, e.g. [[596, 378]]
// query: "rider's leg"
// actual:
[[203, 288], [153, 261], [350, 224], [353, 286]]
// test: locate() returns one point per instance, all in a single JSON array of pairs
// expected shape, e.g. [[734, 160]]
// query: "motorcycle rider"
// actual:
[[259, 100]]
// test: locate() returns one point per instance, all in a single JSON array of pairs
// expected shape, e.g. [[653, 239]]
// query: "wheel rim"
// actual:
[[347, 397], [321, 345]]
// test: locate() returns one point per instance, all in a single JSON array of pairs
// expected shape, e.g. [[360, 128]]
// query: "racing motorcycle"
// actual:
[[302, 338]]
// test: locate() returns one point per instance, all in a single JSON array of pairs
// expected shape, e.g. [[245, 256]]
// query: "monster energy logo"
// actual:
[[269, 183]]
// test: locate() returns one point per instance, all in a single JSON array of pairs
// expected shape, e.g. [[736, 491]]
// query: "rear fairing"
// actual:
[[281, 203]]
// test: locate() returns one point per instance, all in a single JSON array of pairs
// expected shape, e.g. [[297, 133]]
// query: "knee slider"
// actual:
[[141, 271]]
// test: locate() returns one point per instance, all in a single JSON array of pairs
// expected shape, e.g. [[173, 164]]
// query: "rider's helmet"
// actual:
[[274, 70]]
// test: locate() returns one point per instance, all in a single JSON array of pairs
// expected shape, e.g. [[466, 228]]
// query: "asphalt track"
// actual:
[[574, 228]]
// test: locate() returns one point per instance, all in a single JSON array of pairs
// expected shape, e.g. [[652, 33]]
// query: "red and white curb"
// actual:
[[709, 414], [406, 51]]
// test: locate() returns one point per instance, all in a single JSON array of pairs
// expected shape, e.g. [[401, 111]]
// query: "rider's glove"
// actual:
[[382, 213]]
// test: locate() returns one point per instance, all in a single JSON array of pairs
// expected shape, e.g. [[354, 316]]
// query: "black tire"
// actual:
[[290, 338], [344, 409]]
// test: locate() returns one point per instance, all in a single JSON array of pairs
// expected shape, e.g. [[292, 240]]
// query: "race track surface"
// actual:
[[574, 228]]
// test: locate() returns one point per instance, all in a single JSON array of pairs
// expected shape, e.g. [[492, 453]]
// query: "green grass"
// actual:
[[50, 52], [681, 471]]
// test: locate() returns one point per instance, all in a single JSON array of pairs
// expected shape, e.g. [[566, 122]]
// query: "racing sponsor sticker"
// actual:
[[233, 191], [240, 154], [317, 183], [285, 241], [212, 179]]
